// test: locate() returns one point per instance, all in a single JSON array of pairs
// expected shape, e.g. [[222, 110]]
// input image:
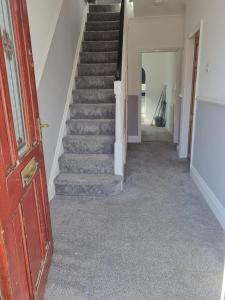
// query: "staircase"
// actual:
[[87, 164]]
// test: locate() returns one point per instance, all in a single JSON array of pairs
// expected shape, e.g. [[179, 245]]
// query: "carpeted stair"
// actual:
[[87, 164]]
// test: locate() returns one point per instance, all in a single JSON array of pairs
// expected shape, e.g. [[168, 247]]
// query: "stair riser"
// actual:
[[93, 96], [94, 127], [97, 69], [92, 111], [84, 82], [100, 46], [104, 8], [103, 17], [102, 26], [98, 57], [89, 166], [87, 147], [88, 190], [101, 35]]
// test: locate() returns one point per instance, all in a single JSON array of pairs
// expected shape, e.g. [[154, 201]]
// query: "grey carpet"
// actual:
[[157, 240], [153, 134], [91, 127]]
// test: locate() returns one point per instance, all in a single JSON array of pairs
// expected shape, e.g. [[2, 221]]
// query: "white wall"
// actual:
[[56, 76], [160, 70], [43, 17], [212, 14], [148, 34], [208, 159]]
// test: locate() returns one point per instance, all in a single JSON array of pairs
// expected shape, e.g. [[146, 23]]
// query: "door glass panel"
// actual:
[[8, 41]]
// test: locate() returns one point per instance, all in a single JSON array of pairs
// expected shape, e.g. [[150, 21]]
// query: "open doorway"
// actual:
[[158, 96]]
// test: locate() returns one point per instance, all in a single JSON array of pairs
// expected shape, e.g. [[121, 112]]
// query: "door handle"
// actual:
[[28, 173], [45, 125]]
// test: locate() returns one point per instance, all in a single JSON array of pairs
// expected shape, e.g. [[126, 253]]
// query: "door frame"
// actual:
[[160, 50], [186, 95]]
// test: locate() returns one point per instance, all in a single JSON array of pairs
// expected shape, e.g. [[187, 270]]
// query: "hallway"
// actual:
[[157, 240]]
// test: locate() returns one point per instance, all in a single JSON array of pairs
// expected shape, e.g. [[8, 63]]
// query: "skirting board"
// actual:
[[134, 140], [210, 197], [62, 131]]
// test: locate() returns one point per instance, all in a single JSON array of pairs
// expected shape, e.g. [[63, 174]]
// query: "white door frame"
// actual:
[[187, 91], [176, 50]]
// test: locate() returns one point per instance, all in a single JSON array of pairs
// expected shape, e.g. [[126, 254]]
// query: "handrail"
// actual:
[[120, 48]]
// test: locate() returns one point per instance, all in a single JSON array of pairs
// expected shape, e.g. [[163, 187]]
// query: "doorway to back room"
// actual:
[[158, 96]]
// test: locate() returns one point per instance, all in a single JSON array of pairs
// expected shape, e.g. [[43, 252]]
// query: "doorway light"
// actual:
[[158, 2]]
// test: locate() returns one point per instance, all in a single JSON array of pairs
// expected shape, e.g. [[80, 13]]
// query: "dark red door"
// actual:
[[25, 227]]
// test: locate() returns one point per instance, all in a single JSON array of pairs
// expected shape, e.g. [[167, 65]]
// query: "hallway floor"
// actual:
[[155, 134], [157, 240]]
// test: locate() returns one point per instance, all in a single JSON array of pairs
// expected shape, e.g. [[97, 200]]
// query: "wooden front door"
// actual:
[[193, 92], [25, 229]]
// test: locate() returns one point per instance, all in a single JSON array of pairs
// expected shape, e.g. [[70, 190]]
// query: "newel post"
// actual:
[[118, 146]]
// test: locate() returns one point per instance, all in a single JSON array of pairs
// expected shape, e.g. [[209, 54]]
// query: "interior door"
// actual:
[[25, 228], [193, 92]]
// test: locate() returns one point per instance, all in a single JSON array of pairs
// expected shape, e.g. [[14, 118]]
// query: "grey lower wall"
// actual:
[[209, 146], [132, 115], [53, 88]]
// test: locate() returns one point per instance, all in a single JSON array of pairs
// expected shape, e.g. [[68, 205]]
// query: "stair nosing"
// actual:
[[95, 76], [111, 41], [82, 119], [98, 51], [105, 21], [101, 31], [103, 12]]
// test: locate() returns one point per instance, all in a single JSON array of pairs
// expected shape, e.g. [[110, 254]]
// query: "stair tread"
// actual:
[[109, 21], [90, 137], [103, 31], [95, 90], [87, 179], [74, 105], [99, 52], [103, 12], [96, 76], [91, 120], [97, 64], [98, 157]]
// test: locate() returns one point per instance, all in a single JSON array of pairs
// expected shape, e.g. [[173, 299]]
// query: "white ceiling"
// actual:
[[170, 7]]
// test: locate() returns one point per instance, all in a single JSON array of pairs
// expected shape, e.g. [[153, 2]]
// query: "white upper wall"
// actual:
[[43, 17], [212, 14], [148, 34], [169, 7]]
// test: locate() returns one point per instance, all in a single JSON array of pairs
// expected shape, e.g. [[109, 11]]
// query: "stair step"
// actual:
[[103, 26], [92, 111], [104, 8], [94, 96], [88, 185], [87, 164], [99, 46], [109, 16], [97, 69], [99, 57], [91, 127], [101, 35], [95, 82], [89, 144]]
